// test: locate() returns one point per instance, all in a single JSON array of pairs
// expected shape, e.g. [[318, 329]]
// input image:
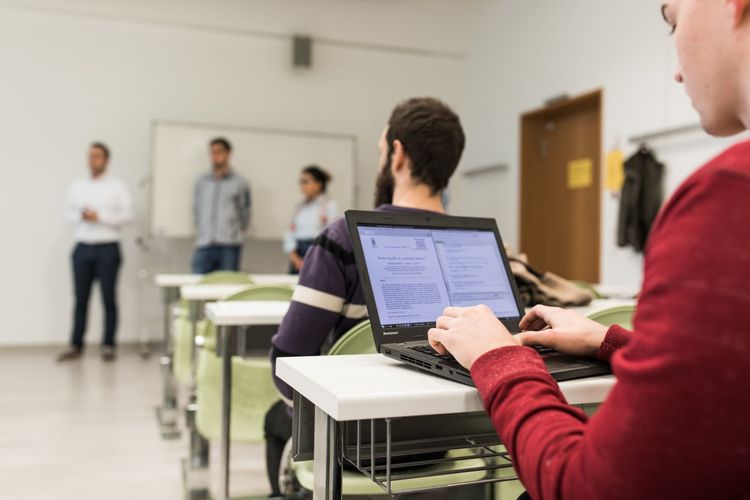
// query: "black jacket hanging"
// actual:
[[641, 198]]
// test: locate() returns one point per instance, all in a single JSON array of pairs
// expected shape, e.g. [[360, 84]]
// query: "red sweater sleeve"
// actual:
[[617, 337], [676, 423]]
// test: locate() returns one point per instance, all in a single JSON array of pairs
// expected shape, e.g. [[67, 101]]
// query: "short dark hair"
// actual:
[[321, 176], [102, 147], [223, 142], [432, 137]]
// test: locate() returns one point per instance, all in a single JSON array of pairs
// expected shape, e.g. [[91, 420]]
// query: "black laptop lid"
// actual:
[[414, 265]]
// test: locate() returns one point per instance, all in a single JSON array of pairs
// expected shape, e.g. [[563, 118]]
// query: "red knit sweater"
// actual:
[[677, 423]]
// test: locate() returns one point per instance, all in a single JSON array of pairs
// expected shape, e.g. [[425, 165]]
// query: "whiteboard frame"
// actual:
[[311, 134]]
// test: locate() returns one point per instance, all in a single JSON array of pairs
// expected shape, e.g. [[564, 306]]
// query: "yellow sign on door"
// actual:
[[580, 173], [615, 170]]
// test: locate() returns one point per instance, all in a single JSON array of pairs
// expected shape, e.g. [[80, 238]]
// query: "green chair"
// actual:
[[226, 278], [253, 393], [182, 328], [217, 278], [253, 390], [359, 340], [618, 315]]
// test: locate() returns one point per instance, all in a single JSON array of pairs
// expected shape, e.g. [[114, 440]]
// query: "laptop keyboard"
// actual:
[[554, 361], [425, 349]]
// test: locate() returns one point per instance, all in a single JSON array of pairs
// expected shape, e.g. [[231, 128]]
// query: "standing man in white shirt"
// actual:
[[98, 206]]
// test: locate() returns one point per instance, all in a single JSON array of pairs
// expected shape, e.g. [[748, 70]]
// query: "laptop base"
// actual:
[[560, 366]]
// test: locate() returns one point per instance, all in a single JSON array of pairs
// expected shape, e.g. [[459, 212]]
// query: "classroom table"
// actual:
[[274, 279], [229, 317], [602, 304], [167, 412], [170, 284], [376, 387]]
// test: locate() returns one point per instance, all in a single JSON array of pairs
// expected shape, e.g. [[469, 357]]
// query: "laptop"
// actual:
[[414, 265]]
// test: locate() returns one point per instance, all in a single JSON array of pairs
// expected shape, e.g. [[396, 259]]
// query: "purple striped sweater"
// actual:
[[328, 300]]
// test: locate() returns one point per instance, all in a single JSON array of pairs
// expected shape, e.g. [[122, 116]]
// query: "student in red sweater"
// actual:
[[677, 423]]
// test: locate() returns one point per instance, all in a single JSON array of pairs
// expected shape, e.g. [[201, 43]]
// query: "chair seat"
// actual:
[[356, 483], [253, 393]]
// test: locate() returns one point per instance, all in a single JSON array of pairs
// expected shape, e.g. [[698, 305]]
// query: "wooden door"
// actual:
[[561, 186]]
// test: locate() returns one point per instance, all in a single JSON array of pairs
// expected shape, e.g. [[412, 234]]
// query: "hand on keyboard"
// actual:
[[562, 330], [468, 333]]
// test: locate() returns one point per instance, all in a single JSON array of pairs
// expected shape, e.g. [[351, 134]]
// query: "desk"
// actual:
[[171, 284], [228, 318], [166, 412], [165, 280], [196, 295], [602, 304], [275, 279], [379, 387]]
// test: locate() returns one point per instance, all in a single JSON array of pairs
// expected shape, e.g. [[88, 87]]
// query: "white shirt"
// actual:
[[310, 218], [106, 195]]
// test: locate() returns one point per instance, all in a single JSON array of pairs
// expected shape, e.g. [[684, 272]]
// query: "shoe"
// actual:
[[71, 354], [108, 353]]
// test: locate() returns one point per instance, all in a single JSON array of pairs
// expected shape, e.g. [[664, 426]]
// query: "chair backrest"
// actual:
[[226, 278], [618, 315], [263, 292], [358, 340]]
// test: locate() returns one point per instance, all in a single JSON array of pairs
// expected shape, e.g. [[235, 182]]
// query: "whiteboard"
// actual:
[[270, 160]]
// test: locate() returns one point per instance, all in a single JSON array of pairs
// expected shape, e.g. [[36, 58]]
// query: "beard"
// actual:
[[384, 186]]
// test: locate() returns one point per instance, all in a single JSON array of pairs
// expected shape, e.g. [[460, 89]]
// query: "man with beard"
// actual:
[[419, 151]]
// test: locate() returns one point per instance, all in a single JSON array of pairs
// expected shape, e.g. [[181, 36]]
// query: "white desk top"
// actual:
[[209, 292], [239, 313], [601, 304], [373, 386], [275, 279], [166, 280], [618, 291]]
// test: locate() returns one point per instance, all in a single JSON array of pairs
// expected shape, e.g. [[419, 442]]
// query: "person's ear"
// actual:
[[398, 157], [740, 8]]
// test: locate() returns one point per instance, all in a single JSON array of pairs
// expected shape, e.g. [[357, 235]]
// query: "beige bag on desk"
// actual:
[[546, 288]]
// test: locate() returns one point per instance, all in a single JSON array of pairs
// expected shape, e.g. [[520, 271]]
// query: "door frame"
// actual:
[[526, 121]]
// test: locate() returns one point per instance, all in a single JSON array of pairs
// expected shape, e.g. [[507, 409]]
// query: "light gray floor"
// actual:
[[86, 430]]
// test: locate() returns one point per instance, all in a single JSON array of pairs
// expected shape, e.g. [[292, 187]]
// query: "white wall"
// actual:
[[521, 53], [76, 72]]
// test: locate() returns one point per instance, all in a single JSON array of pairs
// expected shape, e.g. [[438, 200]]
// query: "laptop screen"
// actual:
[[417, 272]]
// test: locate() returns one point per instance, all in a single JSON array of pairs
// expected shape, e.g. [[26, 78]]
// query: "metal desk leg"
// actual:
[[166, 413], [328, 460], [197, 461], [195, 316], [226, 406]]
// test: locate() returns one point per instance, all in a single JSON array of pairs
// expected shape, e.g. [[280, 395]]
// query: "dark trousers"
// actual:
[[278, 430], [210, 258], [302, 247], [95, 262]]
